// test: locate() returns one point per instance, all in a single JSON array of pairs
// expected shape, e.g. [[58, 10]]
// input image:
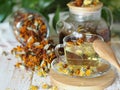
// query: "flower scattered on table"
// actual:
[[44, 86], [33, 87]]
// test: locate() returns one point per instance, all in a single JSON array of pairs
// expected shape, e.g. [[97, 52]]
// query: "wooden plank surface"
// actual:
[[6, 71], [13, 78], [20, 80]]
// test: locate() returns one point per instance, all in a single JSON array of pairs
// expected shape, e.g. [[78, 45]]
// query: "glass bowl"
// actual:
[[27, 23], [60, 66]]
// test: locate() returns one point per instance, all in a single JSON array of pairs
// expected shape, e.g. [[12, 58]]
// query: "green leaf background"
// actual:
[[46, 7]]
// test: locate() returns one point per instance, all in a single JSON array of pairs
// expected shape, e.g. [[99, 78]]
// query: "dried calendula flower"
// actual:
[[77, 72], [18, 64], [88, 72], [49, 87], [54, 88], [33, 87], [70, 43], [95, 2], [79, 2], [87, 2], [41, 72], [46, 86], [79, 41]]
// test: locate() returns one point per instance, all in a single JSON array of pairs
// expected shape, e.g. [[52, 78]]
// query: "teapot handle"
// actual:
[[109, 17], [59, 26]]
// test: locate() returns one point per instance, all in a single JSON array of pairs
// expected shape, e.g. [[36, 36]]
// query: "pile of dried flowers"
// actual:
[[36, 55], [36, 51]]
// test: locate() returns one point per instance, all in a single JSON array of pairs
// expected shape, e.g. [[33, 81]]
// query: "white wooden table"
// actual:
[[12, 78]]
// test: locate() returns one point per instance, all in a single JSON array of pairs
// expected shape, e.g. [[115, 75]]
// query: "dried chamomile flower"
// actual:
[[46, 86], [42, 73], [87, 2], [53, 88], [5, 53], [33, 87]]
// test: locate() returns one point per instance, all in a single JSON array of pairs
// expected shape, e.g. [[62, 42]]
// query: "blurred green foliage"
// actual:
[[114, 6], [46, 7], [5, 8]]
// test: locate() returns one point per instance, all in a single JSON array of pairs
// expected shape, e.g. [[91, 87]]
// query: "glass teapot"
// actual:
[[85, 20]]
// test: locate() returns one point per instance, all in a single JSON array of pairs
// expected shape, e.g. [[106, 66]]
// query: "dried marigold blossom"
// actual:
[[33, 87], [37, 50], [46, 86], [78, 2]]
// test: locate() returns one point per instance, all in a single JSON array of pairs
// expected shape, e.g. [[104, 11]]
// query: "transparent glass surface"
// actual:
[[60, 66], [85, 22], [26, 23]]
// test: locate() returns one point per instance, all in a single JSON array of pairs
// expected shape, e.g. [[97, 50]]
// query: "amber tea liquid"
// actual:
[[62, 34], [81, 55]]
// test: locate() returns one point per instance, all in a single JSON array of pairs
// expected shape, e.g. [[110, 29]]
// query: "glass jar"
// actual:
[[85, 20], [29, 26]]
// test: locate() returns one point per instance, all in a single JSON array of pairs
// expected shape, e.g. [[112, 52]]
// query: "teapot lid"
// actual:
[[76, 9]]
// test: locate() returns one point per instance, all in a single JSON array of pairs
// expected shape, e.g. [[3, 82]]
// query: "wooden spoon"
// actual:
[[106, 52]]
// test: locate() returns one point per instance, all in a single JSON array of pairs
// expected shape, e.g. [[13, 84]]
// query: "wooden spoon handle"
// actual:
[[105, 51]]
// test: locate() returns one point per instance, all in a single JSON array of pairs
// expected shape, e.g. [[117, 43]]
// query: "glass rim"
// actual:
[[79, 35]]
